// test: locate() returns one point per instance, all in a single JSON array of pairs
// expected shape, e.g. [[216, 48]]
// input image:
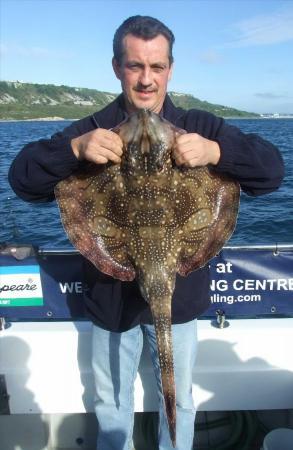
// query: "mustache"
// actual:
[[143, 89]]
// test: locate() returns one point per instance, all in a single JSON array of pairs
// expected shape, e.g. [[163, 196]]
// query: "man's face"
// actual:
[[144, 72]]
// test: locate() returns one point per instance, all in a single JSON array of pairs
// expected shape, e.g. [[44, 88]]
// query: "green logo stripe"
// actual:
[[33, 301]]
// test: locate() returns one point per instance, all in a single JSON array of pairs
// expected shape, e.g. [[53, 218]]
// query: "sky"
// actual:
[[237, 53]]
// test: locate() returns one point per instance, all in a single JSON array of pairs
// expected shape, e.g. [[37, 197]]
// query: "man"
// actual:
[[143, 62]]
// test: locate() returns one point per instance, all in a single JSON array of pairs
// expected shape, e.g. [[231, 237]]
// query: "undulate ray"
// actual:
[[149, 219]]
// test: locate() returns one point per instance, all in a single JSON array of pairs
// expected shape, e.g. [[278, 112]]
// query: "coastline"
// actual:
[[39, 119], [63, 119]]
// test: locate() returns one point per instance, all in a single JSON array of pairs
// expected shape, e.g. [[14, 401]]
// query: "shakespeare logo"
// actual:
[[20, 286]]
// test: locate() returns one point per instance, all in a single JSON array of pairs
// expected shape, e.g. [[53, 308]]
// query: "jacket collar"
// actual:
[[115, 112], [171, 112]]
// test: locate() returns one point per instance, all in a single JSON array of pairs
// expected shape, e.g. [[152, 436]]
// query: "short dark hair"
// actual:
[[144, 27]]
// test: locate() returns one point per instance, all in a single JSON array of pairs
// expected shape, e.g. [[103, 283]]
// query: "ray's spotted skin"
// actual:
[[149, 219]]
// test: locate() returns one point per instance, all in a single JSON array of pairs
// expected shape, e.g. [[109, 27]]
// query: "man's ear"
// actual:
[[170, 72], [116, 68]]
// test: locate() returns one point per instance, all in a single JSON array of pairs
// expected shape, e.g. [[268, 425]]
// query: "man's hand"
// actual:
[[193, 150], [98, 146]]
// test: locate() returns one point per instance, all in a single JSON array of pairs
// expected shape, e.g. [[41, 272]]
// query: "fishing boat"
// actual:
[[243, 377]]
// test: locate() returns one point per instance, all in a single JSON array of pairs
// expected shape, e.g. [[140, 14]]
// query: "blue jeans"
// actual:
[[115, 359]]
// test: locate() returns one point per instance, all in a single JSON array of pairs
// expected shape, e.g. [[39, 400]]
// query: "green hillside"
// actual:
[[20, 101]]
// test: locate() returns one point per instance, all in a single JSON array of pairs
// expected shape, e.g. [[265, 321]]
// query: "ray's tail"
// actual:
[[157, 286], [162, 323]]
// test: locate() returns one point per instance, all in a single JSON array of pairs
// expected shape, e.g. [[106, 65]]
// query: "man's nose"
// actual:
[[145, 78]]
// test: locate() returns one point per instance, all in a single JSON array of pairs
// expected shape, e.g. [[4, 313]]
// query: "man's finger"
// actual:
[[110, 142]]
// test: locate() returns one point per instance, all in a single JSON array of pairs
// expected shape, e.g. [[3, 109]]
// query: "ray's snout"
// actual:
[[144, 124]]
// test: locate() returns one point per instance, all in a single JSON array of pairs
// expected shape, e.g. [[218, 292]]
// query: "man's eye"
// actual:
[[158, 69], [134, 66]]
